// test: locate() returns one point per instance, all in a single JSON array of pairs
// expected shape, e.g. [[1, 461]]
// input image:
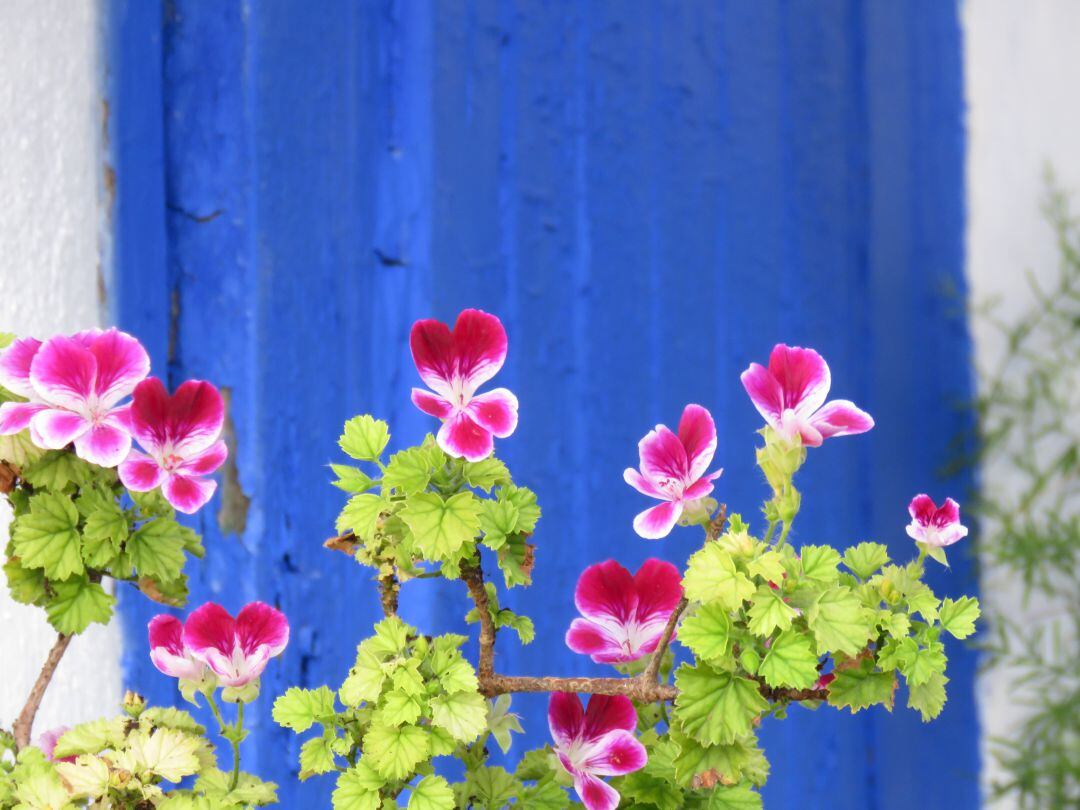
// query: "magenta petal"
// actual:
[[167, 651], [697, 432], [655, 523], [479, 347], [188, 494], [122, 363], [765, 393], [605, 593], [55, 429], [616, 753], [103, 445], [461, 437], [803, 376], [948, 512], [140, 473], [16, 416], [607, 713], [259, 625], [698, 489], [432, 404], [167, 632], [565, 718], [591, 639], [642, 484], [147, 417], [432, 347], [594, 793], [210, 628], [496, 411], [195, 417], [663, 457], [922, 509], [15, 366], [841, 418], [658, 585], [63, 373], [205, 461]]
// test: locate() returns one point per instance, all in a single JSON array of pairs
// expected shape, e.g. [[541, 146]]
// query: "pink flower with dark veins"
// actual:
[[236, 650], [595, 742], [181, 437], [933, 525], [673, 470], [624, 615], [454, 364], [168, 652], [75, 385], [791, 395]]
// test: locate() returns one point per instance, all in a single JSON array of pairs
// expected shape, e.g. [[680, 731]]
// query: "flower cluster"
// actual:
[[75, 390]]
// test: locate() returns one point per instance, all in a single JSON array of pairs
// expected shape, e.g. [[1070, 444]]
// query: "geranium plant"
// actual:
[[701, 654]]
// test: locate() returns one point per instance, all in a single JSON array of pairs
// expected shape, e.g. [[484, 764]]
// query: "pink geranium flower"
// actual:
[[625, 615], [75, 385], [236, 650], [933, 525], [48, 740], [454, 364], [168, 652], [180, 435], [596, 742], [791, 394], [673, 470]]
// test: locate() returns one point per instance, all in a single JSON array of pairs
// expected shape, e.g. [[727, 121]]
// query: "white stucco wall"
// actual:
[[1022, 70], [50, 224]]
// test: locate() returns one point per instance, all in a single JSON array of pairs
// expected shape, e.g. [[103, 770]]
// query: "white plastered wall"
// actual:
[[1022, 69], [50, 226]]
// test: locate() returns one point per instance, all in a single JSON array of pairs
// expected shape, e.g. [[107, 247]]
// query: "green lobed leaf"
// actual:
[[157, 549], [431, 793], [485, 474], [524, 500], [48, 538], [395, 752], [442, 527], [409, 471], [27, 585], [860, 685], [768, 611], [958, 617], [351, 479], [491, 788], [840, 622], [735, 797], [104, 532], [316, 758], [713, 706], [299, 709], [768, 566], [76, 604], [819, 563], [365, 438], [711, 576], [463, 714], [790, 661], [498, 519], [707, 632], [918, 663], [501, 722], [516, 558], [361, 515], [928, 698], [358, 788], [697, 764], [866, 559], [55, 470]]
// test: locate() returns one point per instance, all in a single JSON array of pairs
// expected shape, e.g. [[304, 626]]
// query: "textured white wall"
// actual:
[[50, 224], [1023, 68]]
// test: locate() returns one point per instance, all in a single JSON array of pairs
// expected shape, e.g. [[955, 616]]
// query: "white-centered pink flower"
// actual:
[[180, 435], [791, 395], [673, 470], [624, 614], [933, 525], [236, 650], [595, 742], [454, 364], [75, 385], [168, 652]]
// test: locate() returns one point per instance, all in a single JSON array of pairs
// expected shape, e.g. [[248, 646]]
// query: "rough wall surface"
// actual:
[[50, 120]]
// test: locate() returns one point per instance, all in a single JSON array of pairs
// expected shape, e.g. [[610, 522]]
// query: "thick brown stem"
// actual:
[[473, 575], [389, 587], [25, 723], [635, 688]]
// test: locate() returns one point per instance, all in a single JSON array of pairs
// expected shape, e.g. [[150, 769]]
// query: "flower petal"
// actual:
[[432, 404], [63, 373], [663, 457], [496, 411], [565, 718], [616, 753], [595, 794], [104, 445], [259, 625], [605, 593], [188, 494], [697, 432], [765, 392], [803, 376], [15, 366], [195, 418], [947, 513], [699, 489], [205, 461], [122, 363], [479, 348], [841, 418], [461, 437], [147, 418], [55, 429], [140, 473], [658, 585], [652, 524], [642, 484], [922, 509], [432, 347], [589, 638], [607, 713], [210, 628], [167, 651], [16, 416]]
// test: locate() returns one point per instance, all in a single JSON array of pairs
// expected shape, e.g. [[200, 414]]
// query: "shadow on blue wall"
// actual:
[[649, 194]]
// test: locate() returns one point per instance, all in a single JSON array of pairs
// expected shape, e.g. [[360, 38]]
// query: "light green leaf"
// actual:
[[958, 618], [497, 520], [358, 788], [91, 738], [396, 751], [409, 471], [711, 576], [105, 530], [840, 622], [441, 527], [865, 559], [157, 549], [299, 709], [55, 470], [928, 698], [790, 661], [859, 686], [516, 561], [736, 797], [819, 563], [917, 663], [715, 707], [316, 758], [351, 479], [164, 752], [361, 515], [399, 708], [47, 536], [707, 632], [492, 788], [485, 474], [768, 611], [768, 566], [365, 438], [431, 793], [76, 603], [524, 500], [739, 760], [27, 585], [501, 721], [463, 714]]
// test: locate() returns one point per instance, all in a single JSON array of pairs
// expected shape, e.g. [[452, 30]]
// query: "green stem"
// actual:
[[236, 746], [922, 557], [783, 535], [770, 532], [216, 711]]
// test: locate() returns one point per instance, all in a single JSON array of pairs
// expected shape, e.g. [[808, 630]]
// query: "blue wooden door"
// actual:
[[650, 194]]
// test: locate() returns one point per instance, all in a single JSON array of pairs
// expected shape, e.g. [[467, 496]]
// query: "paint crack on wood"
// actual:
[[232, 517]]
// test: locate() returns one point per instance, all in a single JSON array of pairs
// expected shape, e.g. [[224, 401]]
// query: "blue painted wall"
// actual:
[[650, 194]]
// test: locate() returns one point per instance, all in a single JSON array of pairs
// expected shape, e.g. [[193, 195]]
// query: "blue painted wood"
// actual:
[[649, 194]]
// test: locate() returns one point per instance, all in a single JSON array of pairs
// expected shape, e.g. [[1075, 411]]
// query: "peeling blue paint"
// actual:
[[649, 194]]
